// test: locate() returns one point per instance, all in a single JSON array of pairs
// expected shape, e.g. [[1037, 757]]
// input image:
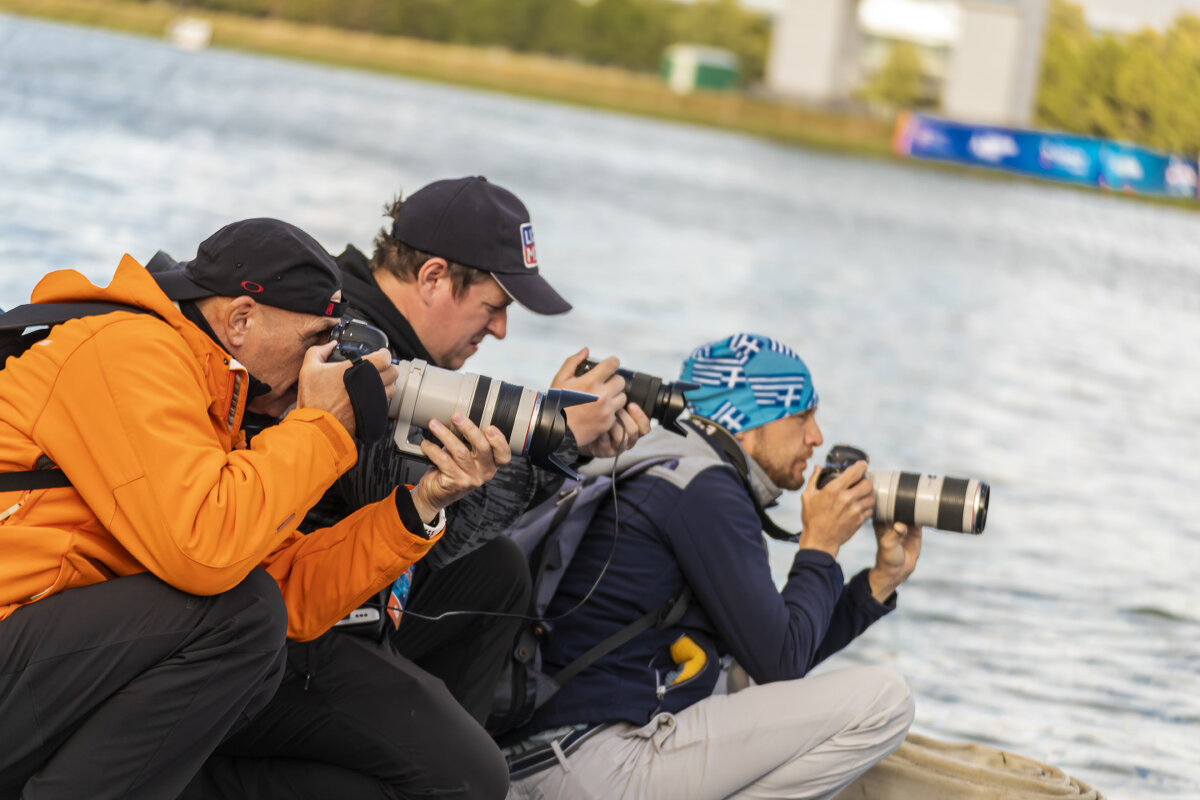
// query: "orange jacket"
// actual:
[[144, 415]]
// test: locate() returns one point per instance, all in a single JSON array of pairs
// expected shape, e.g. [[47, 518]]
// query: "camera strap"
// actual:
[[729, 445], [369, 400]]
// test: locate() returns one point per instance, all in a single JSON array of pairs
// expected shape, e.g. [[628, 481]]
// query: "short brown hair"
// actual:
[[405, 262]]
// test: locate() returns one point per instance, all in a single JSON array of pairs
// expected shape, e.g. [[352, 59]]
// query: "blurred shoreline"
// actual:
[[495, 69], [528, 75]]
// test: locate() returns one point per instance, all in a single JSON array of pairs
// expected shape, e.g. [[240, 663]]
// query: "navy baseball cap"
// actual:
[[479, 224], [272, 261]]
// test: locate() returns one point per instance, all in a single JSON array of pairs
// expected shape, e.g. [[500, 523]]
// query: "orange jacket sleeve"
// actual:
[[129, 422], [332, 571]]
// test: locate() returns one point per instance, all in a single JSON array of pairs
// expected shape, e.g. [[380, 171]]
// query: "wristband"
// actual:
[[412, 521], [432, 529]]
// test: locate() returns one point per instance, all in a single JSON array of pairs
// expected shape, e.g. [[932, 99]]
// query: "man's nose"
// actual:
[[498, 324], [814, 434]]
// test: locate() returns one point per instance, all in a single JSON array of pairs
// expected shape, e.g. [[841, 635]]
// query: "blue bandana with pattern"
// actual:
[[746, 381]]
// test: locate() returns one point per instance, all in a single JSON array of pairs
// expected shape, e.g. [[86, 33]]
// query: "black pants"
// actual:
[[467, 651], [123, 688], [352, 719]]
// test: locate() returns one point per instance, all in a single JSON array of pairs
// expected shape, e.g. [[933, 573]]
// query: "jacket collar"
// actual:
[[730, 449], [225, 379]]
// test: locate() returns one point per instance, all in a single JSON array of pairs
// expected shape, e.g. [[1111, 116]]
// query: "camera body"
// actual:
[[356, 339], [532, 421], [660, 400], [950, 504]]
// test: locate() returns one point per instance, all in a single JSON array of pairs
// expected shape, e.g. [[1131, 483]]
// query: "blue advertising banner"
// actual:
[[1063, 157]]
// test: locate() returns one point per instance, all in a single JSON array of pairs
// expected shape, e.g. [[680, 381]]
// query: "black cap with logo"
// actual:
[[479, 224], [272, 261]]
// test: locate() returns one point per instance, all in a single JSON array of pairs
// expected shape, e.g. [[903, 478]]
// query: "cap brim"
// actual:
[[176, 285], [532, 291]]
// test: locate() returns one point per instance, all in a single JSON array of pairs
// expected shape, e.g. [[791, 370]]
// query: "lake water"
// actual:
[[1040, 339]]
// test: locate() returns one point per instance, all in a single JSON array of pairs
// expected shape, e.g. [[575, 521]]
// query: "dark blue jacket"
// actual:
[[691, 519]]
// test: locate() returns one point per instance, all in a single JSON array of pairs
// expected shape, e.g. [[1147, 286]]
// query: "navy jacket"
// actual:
[[691, 519]]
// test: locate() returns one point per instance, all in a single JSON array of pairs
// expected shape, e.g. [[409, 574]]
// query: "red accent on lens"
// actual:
[[251, 286], [537, 404]]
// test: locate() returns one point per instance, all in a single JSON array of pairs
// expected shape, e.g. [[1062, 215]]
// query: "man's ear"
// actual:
[[240, 317], [433, 277]]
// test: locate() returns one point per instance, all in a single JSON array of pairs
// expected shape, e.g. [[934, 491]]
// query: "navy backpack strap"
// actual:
[[664, 616], [34, 314], [33, 479]]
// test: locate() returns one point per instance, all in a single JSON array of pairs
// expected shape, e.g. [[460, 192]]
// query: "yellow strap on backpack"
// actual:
[[689, 657]]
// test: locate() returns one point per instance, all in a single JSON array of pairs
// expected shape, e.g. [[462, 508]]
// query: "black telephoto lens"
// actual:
[[660, 400]]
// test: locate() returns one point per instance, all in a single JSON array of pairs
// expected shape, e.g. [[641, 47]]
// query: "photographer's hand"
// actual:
[[610, 424], [632, 424], [897, 549], [321, 385], [832, 515], [458, 467]]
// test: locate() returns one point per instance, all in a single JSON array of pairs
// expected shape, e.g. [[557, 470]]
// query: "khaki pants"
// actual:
[[798, 739]]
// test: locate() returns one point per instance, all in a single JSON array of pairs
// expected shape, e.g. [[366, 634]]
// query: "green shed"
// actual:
[[687, 67]]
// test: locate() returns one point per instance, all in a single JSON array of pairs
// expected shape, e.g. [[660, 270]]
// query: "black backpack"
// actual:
[[20, 329], [549, 535]]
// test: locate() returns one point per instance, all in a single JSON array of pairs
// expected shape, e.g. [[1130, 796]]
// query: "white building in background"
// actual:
[[985, 53], [990, 73], [996, 62]]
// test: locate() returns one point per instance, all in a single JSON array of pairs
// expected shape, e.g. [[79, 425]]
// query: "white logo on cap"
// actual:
[[528, 251]]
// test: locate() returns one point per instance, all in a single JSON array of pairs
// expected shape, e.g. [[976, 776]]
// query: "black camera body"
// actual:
[[959, 505], [356, 339], [840, 459]]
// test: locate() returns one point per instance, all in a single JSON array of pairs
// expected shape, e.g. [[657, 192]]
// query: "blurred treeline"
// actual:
[[1142, 88], [625, 33]]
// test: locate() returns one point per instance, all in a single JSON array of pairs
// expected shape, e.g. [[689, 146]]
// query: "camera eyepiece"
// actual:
[[949, 504], [660, 400]]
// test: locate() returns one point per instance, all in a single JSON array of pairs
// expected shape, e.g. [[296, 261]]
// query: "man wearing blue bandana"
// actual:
[[643, 721]]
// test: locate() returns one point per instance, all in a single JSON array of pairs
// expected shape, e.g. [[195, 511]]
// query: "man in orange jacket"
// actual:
[[143, 608]]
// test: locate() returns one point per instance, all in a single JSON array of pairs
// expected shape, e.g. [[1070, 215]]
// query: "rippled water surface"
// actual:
[[1043, 340]]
